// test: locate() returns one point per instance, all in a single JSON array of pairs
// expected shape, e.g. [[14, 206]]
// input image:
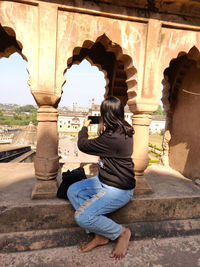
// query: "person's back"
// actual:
[[115, 150]]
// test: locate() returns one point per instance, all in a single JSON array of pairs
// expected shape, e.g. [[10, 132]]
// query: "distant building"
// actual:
[[9, 112], [7, 133], [157, 124], [128, 115], [26, 137], [6, 138], [72, 121]]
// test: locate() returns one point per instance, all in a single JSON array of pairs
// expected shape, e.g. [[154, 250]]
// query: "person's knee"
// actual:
[[82, 218]]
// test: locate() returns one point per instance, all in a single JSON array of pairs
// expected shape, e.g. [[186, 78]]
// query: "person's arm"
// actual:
[[97, 146]]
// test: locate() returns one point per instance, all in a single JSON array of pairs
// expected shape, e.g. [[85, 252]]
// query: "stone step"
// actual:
[[25, 156], [173, 251], [60, 214], [43, 239], [174, 198], [10, 153]]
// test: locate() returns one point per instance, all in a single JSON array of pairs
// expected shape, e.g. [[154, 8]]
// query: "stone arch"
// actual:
[[174, 75], [109, 58], [9, 44], [181, 96]]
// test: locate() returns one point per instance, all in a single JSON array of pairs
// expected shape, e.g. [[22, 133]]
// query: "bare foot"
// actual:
[[88, 239], [98, 240], [122, 244]]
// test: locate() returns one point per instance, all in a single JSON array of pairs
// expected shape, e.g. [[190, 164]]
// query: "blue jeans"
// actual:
[[92, 200]]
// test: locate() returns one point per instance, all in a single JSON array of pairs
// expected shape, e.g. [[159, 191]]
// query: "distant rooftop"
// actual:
[[26, 137], [158, 117]]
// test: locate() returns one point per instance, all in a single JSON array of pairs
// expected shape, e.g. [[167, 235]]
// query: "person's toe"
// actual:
[[112, 254]]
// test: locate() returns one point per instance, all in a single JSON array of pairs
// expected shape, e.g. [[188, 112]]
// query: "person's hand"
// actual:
[[86, 122]]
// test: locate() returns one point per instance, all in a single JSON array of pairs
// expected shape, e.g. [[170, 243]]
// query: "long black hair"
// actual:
[[112, 117]]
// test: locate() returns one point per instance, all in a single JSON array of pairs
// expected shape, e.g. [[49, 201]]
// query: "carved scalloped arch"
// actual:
[[99, 68], [192, 55], [12, 49], [104, 72], [110, 47]]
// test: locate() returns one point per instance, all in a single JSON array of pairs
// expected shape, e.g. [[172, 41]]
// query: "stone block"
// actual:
[[44, 189]]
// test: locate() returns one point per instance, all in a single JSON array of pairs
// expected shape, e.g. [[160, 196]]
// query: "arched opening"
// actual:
[[82, 94], [84, 82], [16, 110], [117, 72], [109, 58], [181, 96], [14, 77], [156, 132]]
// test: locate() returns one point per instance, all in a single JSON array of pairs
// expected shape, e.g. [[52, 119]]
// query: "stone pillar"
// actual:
[[143, 100], [141, 123], [47, 98], [46, 161]]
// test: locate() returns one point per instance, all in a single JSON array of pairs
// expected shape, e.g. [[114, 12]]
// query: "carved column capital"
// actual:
[[142, 119], [47, 113], [142, 106], [46, 99]]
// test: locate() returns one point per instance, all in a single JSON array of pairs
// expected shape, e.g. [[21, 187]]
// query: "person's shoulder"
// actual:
[[106, 135], [122, 136]]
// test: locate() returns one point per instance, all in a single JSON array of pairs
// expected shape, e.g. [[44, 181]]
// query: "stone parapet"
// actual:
[[60, 214]]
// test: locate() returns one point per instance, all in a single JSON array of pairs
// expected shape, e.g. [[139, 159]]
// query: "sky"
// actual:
[[83, 82]]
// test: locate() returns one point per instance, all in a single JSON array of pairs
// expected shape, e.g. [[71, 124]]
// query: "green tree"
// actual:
[[26, 118], [159, 111], [17, 117], [20, 117], [26, 108]]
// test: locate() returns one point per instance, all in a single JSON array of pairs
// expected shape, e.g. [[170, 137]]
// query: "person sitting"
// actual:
[[113, 187]]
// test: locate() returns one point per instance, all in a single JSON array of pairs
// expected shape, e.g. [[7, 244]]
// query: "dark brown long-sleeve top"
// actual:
[[116, 165]]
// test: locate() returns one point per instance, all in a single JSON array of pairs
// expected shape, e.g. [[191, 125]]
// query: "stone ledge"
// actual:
[[60, 214], [35, 240]]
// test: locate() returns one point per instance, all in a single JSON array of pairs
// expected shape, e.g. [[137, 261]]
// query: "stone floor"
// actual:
[[70, 152], [166, 252], [16, 182]]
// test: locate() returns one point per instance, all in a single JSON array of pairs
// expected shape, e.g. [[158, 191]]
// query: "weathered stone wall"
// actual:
[[176, 41], [178, 11], [184, 151], [74, 29]]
